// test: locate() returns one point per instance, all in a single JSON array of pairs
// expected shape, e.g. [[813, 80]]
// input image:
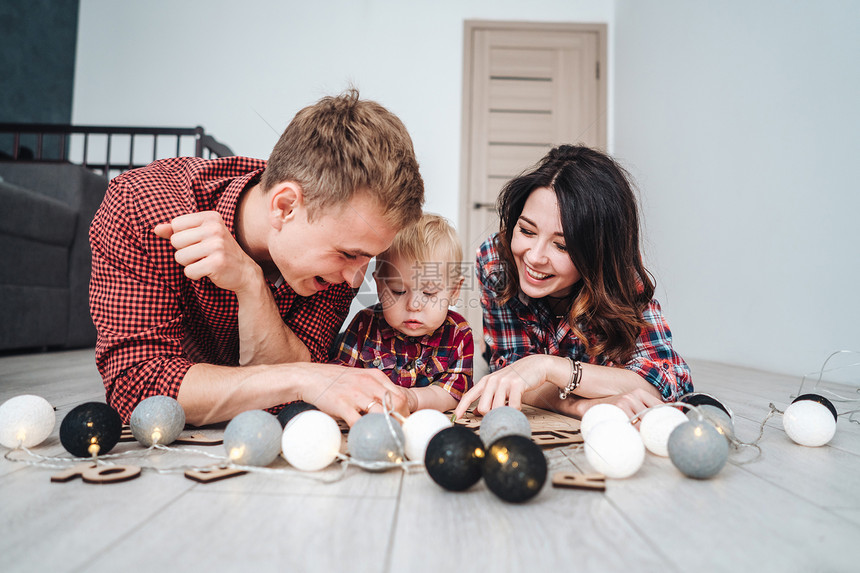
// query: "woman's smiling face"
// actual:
[[543, 265]]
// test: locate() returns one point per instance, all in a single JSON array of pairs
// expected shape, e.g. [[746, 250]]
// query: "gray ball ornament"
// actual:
[[502, 422], [698, 449], [253, 438], [376, 438], [157, 420]]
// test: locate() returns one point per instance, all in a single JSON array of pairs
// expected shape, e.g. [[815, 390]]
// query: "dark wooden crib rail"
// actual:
[[51, 142]]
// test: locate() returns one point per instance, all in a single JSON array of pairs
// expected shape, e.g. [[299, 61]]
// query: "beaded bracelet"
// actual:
[[575, 378]]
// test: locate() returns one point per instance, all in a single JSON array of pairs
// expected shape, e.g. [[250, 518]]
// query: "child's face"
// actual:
[[415, 296]]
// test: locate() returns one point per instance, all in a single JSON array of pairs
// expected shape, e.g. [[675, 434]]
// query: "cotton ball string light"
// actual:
[[90, 429], [514, 468], [600, 413], [615, 449], [703, 399], [419, 428], [157, 420], [656, 425], [26, 420], [376, 438], [716, 416], [504, 421], [810, 420], [697, 449], [293, 409], [311, 440], [454, 458], [253, 438]]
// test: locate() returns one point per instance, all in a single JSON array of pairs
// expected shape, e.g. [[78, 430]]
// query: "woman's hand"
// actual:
[[632, 402], [507, 386]]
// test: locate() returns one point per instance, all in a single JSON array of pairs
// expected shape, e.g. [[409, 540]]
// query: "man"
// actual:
[[223, 282]]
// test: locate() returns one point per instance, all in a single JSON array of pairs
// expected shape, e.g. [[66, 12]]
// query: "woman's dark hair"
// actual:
[[600, 222]]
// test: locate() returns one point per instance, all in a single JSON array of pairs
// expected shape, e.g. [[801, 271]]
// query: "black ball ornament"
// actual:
[[292, 410], [702, 399], [90, 429], [453, 458], [515, 468]]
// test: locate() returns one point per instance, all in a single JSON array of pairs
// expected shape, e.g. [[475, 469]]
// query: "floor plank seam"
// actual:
[[389, 548], [654, 544], [103, 551]]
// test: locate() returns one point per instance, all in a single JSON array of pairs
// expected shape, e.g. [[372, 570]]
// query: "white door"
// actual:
[[526, 88]]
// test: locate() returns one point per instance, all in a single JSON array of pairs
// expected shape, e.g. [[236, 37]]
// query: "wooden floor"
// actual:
[[793, 509]]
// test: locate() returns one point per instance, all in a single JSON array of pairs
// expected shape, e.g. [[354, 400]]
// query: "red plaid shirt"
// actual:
[[443, 357], [153, 322], [517, 329]]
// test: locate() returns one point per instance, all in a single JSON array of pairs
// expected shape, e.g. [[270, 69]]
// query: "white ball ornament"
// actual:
[[419, 428], [157, 420], [253, 438], [311, 441], [600, 413], [615, 449], [810, 420], [26, 420], [656, 425]]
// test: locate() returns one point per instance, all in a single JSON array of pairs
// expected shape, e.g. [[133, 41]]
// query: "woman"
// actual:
[[569, 318]]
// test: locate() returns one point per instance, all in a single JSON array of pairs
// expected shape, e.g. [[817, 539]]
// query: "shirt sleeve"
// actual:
[[655, 360], [456, 379], [138, 318], [503, 344]]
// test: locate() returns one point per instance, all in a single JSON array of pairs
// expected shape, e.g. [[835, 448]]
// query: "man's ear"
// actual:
[[283, 201]]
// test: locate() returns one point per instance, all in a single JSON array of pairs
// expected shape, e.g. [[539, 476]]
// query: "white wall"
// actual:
[[740, 120], [243, 69]]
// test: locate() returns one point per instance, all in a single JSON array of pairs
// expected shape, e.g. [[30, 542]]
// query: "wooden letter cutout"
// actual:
[[214, 474], [596, 482], [126, 435], [198, 440], [92, 473], [554, 438]]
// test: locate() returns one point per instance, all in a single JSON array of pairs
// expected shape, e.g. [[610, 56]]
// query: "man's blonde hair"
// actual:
[[429, 240], [343, 145]]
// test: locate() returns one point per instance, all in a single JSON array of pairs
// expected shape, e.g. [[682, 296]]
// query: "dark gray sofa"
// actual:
[[45, 213]]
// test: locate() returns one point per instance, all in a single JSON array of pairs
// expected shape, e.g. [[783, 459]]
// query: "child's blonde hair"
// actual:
[[429, 240]]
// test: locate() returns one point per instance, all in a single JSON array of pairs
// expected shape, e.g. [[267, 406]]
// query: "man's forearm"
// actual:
[[263, 336], [211, 394]]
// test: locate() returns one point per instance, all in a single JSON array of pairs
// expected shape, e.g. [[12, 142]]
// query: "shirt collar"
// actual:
[[229, 199]]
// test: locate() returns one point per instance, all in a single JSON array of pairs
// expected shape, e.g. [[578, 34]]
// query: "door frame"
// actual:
[[469, 29]]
